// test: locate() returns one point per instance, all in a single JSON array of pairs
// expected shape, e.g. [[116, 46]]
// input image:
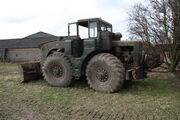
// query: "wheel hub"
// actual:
[[57, 71], [102, 75]]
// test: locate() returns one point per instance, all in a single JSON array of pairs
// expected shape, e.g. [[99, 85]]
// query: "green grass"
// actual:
[[156, 97], [8, 67]]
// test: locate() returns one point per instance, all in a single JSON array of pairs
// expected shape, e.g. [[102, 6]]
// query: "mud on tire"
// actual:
[[57, 70], [105, 73]]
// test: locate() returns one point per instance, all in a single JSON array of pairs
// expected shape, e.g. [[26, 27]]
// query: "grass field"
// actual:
[[154, 98]]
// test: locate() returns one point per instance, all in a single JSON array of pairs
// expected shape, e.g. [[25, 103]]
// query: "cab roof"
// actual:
[[84, 22]]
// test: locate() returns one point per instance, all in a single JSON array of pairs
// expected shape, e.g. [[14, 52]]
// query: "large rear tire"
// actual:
[[105, 73], [57, 70]]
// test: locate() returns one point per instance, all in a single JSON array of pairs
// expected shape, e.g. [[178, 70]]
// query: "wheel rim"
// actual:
[[102, 74], [56, 70]]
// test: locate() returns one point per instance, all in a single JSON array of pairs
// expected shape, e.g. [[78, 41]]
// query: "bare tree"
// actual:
[[158, 23]]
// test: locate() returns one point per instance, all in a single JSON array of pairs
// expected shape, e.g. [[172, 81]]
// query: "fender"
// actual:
[[50, 46]]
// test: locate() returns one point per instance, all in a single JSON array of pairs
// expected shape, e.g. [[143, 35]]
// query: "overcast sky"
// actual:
[[20, 18]]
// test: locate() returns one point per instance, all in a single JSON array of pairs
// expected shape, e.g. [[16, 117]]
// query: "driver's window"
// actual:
[[93, 29], [73, 29]]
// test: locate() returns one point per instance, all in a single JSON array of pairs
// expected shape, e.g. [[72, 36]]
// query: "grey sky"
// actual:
[[19, 18]]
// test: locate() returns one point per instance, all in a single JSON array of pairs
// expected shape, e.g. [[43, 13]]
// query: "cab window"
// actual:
[[83, 32], [109, 29], [103, 27], [73, 29], [93, 29]]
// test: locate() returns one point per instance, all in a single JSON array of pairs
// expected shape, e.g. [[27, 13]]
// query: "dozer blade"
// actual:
[[30, 71]]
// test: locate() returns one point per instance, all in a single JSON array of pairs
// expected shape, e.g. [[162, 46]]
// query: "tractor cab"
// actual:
[[86, 38], [88, 28]]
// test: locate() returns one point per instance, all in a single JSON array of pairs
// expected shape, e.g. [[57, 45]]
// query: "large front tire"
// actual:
[[105, 73], [57, 70]]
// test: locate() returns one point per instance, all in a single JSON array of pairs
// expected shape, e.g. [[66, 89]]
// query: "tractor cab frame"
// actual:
[[92, 26]]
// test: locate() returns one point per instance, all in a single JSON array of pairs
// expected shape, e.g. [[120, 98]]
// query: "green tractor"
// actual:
[[91, 49]]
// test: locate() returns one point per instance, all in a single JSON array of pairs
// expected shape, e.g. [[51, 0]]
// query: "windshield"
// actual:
[[105, 27]]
